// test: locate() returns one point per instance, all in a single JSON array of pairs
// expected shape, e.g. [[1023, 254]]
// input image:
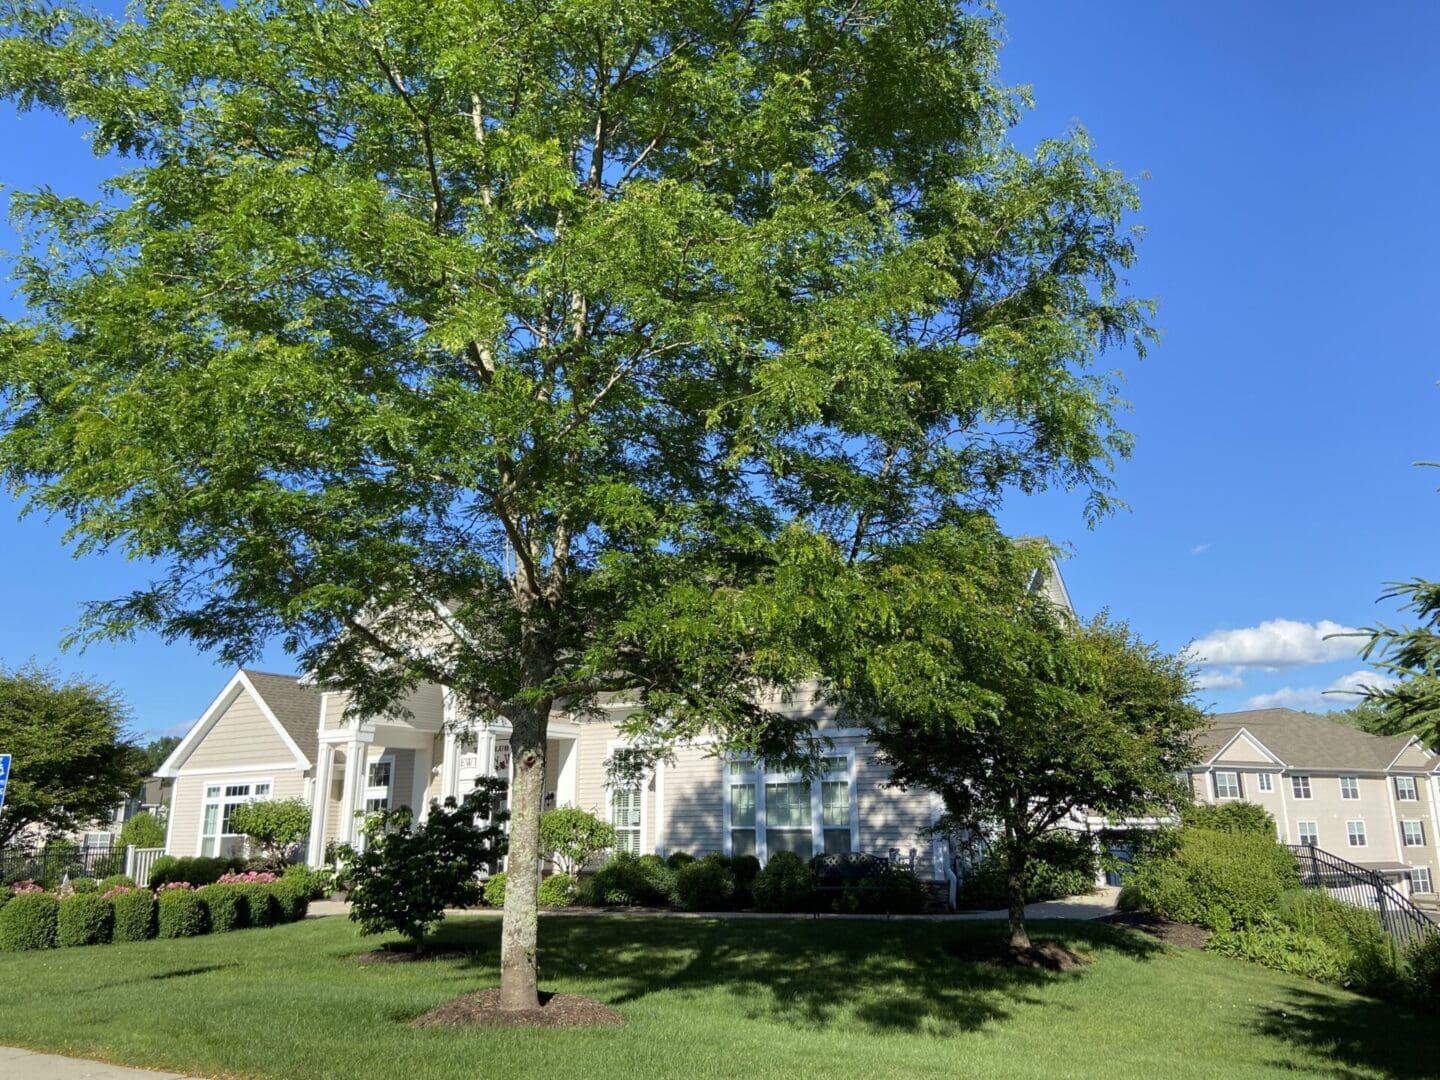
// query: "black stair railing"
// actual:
[[1365, 888]]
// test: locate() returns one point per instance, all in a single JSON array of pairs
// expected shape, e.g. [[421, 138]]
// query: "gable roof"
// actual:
[[1303, 740], [292, 708]]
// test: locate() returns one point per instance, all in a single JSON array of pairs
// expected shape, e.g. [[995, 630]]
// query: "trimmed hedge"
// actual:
[[134, 915], [85, 919], [557, 891], [197, 870], [293, 895], [229, 907], [263, 903], [114, 881], [181, 914], [495, 890], [29, 921], [784, 883], [707, 885], [85, 885], [627, 880]]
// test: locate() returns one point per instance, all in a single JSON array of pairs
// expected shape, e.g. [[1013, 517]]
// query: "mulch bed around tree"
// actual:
[[1172, 933], [482, 1009], [1040, 956], [409, 956]]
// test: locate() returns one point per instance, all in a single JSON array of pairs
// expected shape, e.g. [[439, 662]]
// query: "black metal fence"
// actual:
[[1364, 888], [51, 866]]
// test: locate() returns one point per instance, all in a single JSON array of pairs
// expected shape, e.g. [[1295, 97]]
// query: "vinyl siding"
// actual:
[[240, 736], [187, 803], [1242, 751]]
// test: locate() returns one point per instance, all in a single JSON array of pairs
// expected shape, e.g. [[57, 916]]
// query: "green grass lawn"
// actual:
[[743, 998]]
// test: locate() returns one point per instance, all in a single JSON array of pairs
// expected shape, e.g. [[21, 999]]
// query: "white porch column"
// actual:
[[352, 797], [320, 803], [661, 844], [448, 766]]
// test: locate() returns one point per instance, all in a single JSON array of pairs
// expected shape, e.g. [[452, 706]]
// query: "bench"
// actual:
[[854, 872]]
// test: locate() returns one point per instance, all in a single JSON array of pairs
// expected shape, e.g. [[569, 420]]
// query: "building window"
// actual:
[[378, 785], [1300, 787], [625, 807], [1267, 782], [1227, 785], [1420, 880], [771, 812], [1405, 789], [1355, 833], [1413, 833], [1309, 833], [1349, 788], [219, 803]]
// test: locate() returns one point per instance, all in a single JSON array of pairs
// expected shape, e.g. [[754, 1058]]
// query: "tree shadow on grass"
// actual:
[[1353, 1037], [887, 977]]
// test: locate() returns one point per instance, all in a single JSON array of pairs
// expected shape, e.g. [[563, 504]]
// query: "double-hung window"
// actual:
[[1309, 833], [1266, 781], [1405, 789], [1349, 788], [379, 784], [1227, 785], [1300, 787], [1420, 880], [776, 811], [626, 805], [1413, 833], [220, 800], [1355, 833]]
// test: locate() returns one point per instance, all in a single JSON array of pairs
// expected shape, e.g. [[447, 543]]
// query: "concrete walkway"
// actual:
[[28, 1065], [1095, 906]]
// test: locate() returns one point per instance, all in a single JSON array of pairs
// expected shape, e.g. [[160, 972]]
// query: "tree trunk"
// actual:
[[1015, 890], [519, 930]]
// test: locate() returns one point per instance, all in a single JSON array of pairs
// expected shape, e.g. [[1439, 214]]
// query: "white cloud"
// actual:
[[1219, 680], [1200, 549], [1276, 643], [1340, 694]]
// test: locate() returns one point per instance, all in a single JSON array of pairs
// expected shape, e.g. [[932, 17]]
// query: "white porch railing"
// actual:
[[138, 862]]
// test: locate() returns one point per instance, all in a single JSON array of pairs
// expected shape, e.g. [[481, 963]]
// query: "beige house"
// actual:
[[1371, 799]]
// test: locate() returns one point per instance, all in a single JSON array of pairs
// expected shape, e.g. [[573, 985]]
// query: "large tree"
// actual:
[[1015, 715], [71, 761], [517, 346]]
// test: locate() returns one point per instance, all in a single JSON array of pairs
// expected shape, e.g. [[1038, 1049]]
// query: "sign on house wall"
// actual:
[[4, 777]]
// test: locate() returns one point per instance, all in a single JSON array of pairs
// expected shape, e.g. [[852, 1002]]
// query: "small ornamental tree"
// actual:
[[144, 830], [408, 873], [572, 837], [274, 826]]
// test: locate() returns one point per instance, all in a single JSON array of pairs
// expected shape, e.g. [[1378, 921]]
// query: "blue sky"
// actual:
[[1290, 159]]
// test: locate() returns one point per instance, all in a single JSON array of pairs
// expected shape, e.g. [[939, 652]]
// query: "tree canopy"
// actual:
[[71, 762], [521, 347]]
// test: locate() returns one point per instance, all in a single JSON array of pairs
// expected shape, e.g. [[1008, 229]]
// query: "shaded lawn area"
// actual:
[[744, 998]]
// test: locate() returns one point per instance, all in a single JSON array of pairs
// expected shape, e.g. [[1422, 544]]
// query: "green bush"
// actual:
[[677, 859], [115, 881], [84, 885], [1229, 817], [144, 830], [293, 896], [1130, 899], [29, 921], [85, 919], [318, 884], [784, 883], [1213, 878], [627, 880], [181, 914], [263, 904], [197, 870], [1422, 971], [228, 906], [573, 837], [1371, 961], [275, 828], [495, 890], [1282, 948], [134, 915], [707, 885], [746, 867], [1062, 864], [557, 891]]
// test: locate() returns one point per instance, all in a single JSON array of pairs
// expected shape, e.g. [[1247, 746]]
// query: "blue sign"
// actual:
[[4, 777]]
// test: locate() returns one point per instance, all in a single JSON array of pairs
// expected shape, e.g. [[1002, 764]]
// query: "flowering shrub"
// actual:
[[25, 887], [175, 885], [118, 890], [252, 877]]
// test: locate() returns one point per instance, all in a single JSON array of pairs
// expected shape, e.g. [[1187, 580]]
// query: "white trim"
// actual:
[[252, 781], [234, 770], [386, 758], [1299, 836], [347, 735], [1215, 775], [1251, 738], [1399, 833], [642, 785], [1340, 783], [1414, 740], [171, 766], [1364, 833], [759, 776], [661, 840]]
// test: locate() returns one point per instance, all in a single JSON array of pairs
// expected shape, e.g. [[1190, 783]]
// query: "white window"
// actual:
[[1413, 833], [1300, 787], [379, 785], [1420, 880], [1309, 833], [1349, 788], [1267, 782], [626, 804], [775, 811], [1355, 833], [1405, 789], [94, 840], [217, 806], [1227, 785]]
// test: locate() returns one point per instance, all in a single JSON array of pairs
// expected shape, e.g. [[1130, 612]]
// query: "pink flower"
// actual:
[[118, 890], [174, 885], [251, 877], [25, 887]]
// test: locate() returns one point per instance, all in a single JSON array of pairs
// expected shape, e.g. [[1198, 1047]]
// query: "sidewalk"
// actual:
[[1095, 906], [28, 1065]]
